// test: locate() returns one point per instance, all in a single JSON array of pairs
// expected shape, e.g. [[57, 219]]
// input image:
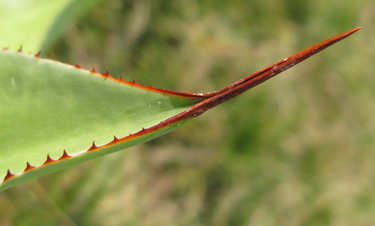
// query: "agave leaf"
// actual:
[[36, 24], [55, 115], [71, 11]]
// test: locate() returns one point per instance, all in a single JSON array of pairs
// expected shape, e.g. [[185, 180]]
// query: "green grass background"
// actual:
[[297, 150]]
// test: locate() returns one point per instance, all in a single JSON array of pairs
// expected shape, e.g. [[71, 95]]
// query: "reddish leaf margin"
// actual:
[[209, 100]]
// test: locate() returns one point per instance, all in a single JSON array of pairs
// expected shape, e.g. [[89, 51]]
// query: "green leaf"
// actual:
[[70, 13], [51, 113], [48, 107], [36, 24]]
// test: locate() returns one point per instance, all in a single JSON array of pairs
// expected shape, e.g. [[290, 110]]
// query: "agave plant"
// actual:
[[56, 115]]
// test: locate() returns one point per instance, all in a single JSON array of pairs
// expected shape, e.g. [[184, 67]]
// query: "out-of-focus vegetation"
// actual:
[[297, 150]]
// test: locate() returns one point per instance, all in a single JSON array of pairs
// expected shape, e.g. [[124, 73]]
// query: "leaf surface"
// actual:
[[55, 115], [71, 11], [36, 24]]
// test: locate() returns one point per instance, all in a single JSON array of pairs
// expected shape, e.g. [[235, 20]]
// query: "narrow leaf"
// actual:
[[71, 12], [26, 22], [36, 24], [54, 115]]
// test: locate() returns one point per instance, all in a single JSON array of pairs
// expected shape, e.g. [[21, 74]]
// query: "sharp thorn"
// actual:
[[64, 156], [8, 176], [49, 160], [29, 167], [106, 74], [93, 147], [38, 54]]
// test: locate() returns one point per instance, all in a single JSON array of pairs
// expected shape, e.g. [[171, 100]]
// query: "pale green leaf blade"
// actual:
[[48, 107], [26, 23], [36, 24], [70, 13]]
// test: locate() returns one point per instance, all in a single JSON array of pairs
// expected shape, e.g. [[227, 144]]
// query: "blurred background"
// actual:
[[297, 150]]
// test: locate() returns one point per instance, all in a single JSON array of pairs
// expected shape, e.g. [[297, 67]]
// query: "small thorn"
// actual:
[[8, 176], [29, 167], [93, 147], [93, 70], [49, 160], [68, 63], [20, 50], [77, 66], [5, 49], [115, 138], [106, 74], [143, 129], [64, 156], [38, 54], [134, 81]]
